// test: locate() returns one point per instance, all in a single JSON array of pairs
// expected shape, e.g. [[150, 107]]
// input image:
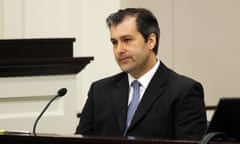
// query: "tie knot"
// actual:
[[135, 83]]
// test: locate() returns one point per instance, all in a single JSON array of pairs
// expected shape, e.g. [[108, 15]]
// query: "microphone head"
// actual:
[[62, 92]]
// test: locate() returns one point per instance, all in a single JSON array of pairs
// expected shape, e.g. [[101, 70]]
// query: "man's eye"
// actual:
[[127, 40], [114, 42]]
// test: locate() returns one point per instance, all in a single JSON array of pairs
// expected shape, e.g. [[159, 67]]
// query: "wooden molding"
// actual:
[[44, 56], [42, 66]]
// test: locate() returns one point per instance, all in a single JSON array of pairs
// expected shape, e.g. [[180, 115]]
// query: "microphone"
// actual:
[[61, 92]]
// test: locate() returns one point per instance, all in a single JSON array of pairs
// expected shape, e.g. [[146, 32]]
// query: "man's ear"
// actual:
[[152, 40]]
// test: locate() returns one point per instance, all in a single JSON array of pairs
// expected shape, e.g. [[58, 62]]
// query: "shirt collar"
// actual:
[[146, 78]]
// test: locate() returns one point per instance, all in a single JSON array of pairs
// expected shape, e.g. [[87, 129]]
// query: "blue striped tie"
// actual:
[[134, 103]]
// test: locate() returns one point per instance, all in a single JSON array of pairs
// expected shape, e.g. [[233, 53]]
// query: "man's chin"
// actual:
[[126, 69]]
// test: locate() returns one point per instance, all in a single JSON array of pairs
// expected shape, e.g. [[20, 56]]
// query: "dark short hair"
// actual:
[[146, 22]]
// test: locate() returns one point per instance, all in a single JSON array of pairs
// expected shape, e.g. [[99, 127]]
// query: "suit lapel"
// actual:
[[120, 100], [155, 89]]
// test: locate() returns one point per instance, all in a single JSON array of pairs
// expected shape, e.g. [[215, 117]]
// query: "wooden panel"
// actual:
[[23, 98], [42, 66], [28, 57], [36, 48], [55, 139]]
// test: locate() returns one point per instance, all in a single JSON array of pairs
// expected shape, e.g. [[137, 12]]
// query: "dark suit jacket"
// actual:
[[172, 107]]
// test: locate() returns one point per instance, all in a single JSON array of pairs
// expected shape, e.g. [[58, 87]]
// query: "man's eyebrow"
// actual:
[[112, 39], [121, 37], [124, 36]]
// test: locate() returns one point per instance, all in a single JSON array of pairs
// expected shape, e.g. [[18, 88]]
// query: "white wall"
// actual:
[[1, 19], [207, 44]]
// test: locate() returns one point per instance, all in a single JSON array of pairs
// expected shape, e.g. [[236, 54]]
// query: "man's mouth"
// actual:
[[124, 59]]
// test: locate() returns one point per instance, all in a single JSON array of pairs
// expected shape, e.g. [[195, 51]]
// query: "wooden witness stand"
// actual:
[[78, 139]]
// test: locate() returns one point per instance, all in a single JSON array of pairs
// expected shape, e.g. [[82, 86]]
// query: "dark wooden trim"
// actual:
[[36, 48], [42, 66], [39, 56], [79, 139]]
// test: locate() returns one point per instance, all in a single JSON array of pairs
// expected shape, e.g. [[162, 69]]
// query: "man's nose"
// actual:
[[120, 48]]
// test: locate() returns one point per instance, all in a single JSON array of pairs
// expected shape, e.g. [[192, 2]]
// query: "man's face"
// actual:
[[132, 53]]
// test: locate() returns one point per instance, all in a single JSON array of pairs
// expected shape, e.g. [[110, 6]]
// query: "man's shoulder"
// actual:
[[112, 79], [181, 83], [177, 77], [182, 79]]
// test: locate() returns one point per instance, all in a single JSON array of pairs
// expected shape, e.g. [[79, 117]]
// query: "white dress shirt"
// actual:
[[144, 80]]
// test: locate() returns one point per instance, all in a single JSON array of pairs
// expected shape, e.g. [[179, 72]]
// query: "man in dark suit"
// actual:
[[169, 105]]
